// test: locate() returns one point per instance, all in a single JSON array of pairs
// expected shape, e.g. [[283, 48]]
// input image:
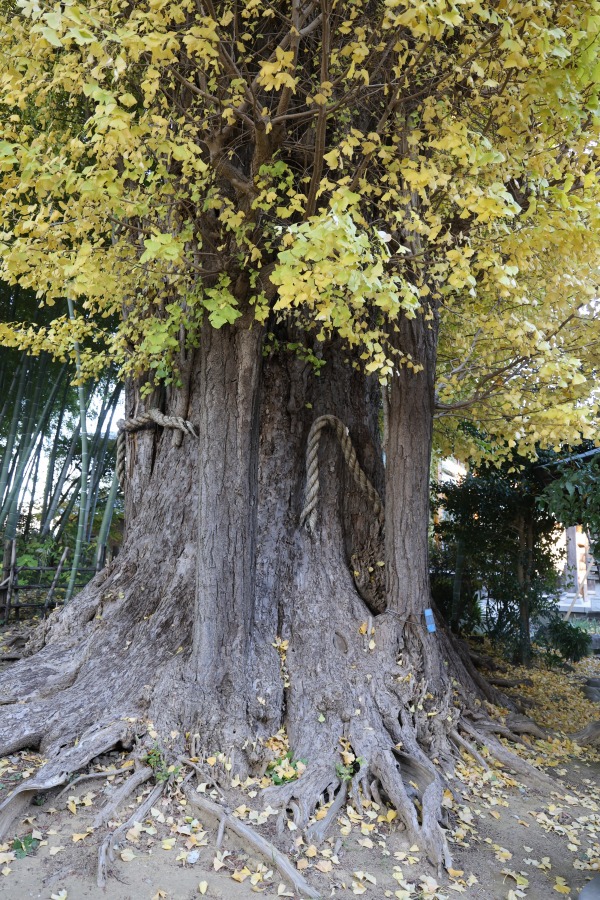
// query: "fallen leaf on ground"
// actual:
[[241, 875], [80, 837], [324, 865]]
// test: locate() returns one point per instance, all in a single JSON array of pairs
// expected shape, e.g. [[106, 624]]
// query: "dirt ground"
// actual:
[[508, 840]]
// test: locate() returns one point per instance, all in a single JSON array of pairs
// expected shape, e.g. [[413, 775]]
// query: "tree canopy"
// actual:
[[336, 165]]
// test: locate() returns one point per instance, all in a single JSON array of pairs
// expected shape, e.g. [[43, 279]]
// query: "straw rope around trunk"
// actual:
[[309, 513], [141, 422]]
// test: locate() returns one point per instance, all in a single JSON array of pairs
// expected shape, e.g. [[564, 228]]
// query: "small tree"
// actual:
[[500, 541]]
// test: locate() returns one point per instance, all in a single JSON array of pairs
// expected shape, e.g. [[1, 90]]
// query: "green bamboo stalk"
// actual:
[[52, 456], [57, 491], [66, 513], [14, 513], [3, 393], [33, 488], [106, 521], [9, 514], [99, 463], [7, 396], [84, 466], [10, 440], [94, 450], [32, 435]]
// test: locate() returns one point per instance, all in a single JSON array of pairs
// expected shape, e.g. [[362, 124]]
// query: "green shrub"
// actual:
[[571, 642]]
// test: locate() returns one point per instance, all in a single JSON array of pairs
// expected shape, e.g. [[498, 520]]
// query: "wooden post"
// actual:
[[5, 573], [15, 590], [50, 593], [11, 577]]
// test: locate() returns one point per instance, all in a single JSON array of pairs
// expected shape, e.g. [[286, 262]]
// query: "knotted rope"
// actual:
[[309, 513], [141, 422]]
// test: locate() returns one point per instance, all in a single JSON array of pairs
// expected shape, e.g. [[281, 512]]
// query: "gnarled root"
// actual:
[[394, 727], [512, 762], [590, 735], [121, 793], [106, 852], [87, 776], [521, 724], [257, 842], [302, 797], [317, 832], [405, 778], [424, 829], [57, 771], [469, 748]]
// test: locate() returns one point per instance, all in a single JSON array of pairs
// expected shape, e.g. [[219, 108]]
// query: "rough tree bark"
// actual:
[[222, 618]]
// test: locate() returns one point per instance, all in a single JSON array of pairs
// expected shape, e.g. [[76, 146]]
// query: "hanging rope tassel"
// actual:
[[141, 422], [309, 513]]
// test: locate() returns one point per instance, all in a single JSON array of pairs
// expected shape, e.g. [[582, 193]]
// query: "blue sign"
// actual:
[[429, 620]]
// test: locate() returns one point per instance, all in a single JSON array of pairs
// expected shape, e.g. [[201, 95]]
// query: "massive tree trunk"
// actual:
[[229, 419], [224, 620]]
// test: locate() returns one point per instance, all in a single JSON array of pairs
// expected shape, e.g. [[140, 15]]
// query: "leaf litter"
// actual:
[[509, 841]]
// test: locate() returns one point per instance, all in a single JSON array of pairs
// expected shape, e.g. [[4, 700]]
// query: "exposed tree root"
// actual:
[[470, 749], [89, 776], [376, 699], [405, 777], [510, 760], [389, 722], [13, 807], [302, 797], [590, 735], [462, 659], [121, 793], [204, 775], [257, 842], [382, 720], [19, 639], [58, 770], [483, 661], [485, 726], [424, 829], [317, 832], [520, 724], [379, 710], [106, 852], [509, 682]]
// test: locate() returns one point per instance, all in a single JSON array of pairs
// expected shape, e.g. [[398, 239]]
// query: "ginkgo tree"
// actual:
[[291, 207]]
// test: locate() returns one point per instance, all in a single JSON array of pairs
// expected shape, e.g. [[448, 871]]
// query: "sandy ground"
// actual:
[[508, 840]]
